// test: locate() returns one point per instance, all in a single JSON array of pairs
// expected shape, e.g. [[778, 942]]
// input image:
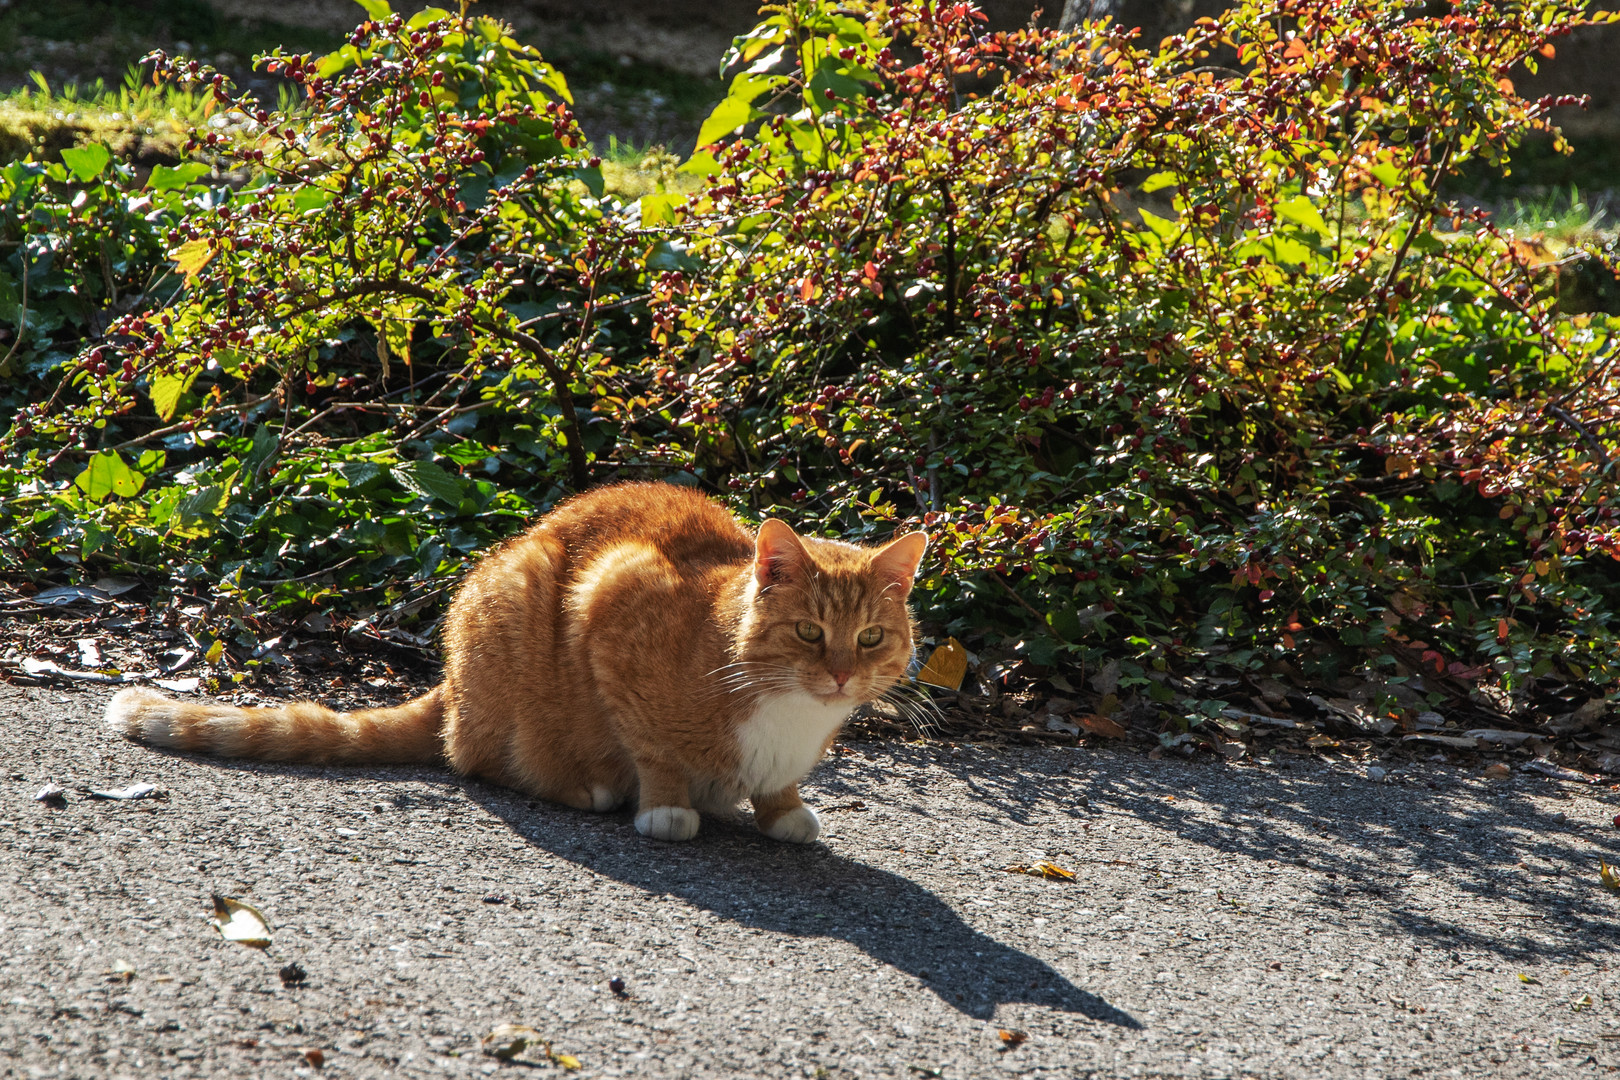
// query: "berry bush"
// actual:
[[1180, 351]]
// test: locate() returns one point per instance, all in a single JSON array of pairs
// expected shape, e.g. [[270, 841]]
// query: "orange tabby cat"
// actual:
[[637, 640]]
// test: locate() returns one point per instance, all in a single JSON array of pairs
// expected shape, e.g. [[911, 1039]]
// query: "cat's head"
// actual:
[[826, 618]]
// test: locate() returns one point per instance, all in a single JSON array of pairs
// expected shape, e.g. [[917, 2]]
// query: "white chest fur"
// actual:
[[783, 739]]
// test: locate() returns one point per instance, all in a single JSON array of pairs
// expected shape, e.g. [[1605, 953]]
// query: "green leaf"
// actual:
[[311, 198], [1387, 174], [1301, 211], [426, 478], [592, 179], [164, 178], [1158, 181], [108, 474], [87, 161], [166, 393], [377, 9], [1164, 228], [731, 114], [658, 208], [204, 502], [360, 473]]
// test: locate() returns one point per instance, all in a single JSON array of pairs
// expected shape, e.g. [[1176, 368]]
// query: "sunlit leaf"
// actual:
[[106, 475], [240, 923], [87, 162]]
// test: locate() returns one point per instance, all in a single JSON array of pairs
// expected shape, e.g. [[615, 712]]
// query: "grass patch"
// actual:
[[138, 122]]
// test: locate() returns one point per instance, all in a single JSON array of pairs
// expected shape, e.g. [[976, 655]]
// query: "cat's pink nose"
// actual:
[[840, 677]]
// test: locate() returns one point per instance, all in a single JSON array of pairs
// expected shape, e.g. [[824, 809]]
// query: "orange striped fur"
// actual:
[[636, 642]]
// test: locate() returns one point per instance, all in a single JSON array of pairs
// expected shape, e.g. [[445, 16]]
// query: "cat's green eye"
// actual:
[[870, 636], [809, 631]]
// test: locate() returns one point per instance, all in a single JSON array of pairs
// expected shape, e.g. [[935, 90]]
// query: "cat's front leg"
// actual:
[[664, 810], [783, 816]]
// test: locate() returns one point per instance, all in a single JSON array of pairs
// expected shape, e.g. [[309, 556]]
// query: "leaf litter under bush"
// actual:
[[1177, 352]]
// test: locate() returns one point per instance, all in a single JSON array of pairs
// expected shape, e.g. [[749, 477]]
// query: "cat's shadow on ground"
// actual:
[[806, 891]]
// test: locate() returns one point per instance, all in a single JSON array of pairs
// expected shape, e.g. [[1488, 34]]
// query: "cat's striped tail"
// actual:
[[305, 732]]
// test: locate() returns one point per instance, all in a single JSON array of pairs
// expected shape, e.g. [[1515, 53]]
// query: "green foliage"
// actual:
[[366, 354], [1183, 366], [1188, 363]]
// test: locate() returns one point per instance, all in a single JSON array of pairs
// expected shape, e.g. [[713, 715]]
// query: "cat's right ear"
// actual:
[[778, 553]]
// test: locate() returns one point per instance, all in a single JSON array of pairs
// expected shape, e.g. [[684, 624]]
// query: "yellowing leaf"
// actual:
[[1043, 869], [946, 667], [1608, 876], [240, 923], [1531, 979], [167, 391], [567, 1061], [215, 651], [1012, 1037], [191, 256]]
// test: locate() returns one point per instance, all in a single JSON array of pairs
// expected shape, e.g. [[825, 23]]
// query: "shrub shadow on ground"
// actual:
[[1530, 874]]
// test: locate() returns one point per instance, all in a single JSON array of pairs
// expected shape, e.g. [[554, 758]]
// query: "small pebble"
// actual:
[[1559, 818], [1376, 773], [616, 985], [52, 795]]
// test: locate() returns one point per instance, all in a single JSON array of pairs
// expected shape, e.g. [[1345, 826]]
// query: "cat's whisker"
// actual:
[[917, 706]]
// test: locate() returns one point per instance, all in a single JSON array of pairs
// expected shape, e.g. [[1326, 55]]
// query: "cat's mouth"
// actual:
[[845, 695]]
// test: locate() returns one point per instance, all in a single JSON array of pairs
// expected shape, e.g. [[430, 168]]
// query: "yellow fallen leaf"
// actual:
[[567, 1061], [1042, 869], [1531, 979], [240, 923], [1581, 1004], [947, 667], [1608, 876], [1012, 1037]]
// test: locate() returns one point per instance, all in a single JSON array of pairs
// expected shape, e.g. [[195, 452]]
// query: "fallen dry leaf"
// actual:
[[315, 1056], [947, 667], [1042, 869], [507, 1041], [1531, 979], [134, 791], [1498, 771], [1012, 1037], [1098, 724], [240, 923], [1608, 876]]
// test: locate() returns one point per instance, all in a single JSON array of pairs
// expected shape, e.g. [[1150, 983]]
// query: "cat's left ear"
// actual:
[[901, 557]]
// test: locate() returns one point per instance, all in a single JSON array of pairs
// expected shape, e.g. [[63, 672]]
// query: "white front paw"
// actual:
[[668, 823], [798, 826]]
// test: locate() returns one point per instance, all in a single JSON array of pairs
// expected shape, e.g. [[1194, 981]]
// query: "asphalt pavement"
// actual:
[[1291, 918]]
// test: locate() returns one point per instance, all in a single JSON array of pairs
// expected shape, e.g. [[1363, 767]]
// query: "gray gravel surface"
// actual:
[[1290, 920]]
